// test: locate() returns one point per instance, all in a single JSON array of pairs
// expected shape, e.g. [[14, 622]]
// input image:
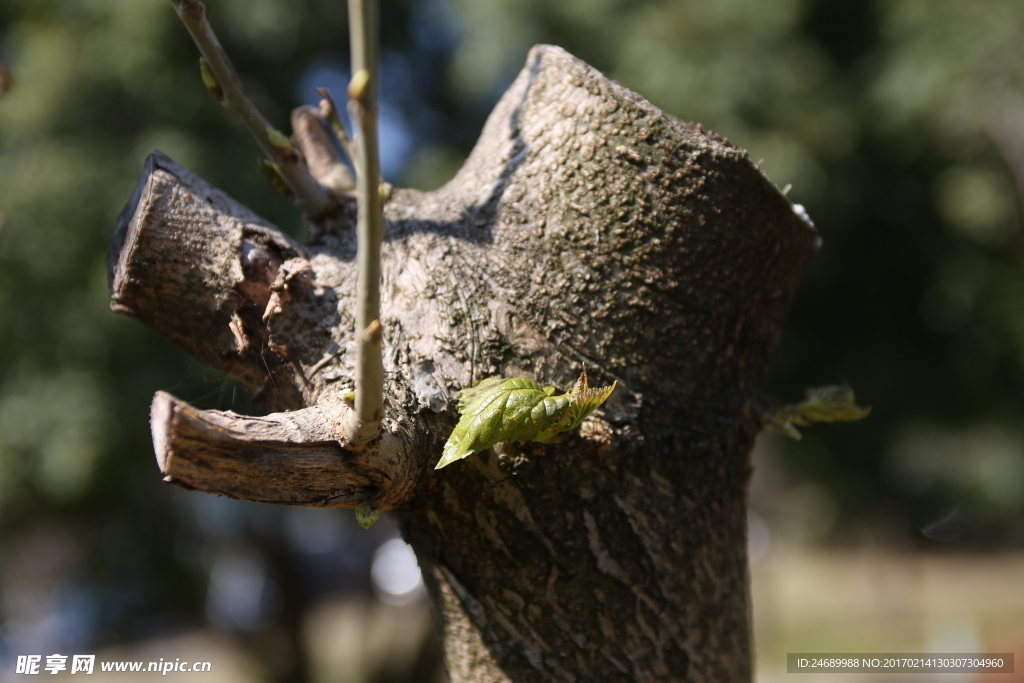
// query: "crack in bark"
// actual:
[[606, 564]]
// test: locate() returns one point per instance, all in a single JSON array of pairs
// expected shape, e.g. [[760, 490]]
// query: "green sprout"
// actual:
[[518, 409], [823, 404]]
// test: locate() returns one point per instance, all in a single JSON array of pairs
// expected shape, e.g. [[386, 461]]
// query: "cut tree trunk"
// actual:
[[586, 228]]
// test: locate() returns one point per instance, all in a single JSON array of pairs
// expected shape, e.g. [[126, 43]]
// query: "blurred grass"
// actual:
[[877, 600]]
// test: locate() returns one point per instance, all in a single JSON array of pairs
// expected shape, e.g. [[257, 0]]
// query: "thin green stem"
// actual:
[[231, 92], [362, 93]]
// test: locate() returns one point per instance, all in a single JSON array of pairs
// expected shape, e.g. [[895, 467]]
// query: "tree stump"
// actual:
[[586, 228]]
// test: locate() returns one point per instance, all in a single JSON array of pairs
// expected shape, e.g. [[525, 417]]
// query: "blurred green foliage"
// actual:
[[898, 123]]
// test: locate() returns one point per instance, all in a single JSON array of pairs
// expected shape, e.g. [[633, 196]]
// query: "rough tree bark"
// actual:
[[587, 227]]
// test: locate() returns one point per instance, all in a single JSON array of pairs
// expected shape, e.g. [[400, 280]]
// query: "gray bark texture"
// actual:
[[586, 228]]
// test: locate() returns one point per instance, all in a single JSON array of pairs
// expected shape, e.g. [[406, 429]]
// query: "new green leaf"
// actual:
[[517, 409], [823, 404]]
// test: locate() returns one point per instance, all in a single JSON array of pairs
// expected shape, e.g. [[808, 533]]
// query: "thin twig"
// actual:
[[329, 111], [362, 93], [223, 81], [322, 158]]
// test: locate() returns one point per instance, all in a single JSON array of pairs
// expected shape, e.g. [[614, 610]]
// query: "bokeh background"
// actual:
[[898, 124]]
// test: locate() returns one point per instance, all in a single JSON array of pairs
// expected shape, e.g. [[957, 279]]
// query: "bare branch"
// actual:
[[362, 92], [290, 458], [201, 269], [312, 139], [329, 111], [230, 91]]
